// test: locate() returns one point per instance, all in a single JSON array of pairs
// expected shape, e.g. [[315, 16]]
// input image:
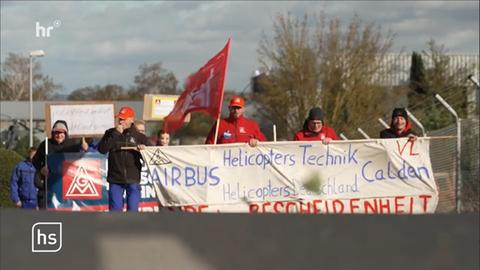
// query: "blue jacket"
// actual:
[[22, 187]]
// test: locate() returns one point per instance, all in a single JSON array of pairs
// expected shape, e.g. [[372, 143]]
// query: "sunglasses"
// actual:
[[58, 132]]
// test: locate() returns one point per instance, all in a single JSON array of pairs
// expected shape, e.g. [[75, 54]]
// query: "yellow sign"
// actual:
[[157, 107]]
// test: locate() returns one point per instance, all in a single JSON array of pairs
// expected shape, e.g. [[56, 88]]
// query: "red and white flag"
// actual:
[[203, 91]]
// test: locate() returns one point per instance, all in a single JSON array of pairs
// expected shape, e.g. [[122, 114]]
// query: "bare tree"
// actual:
[[16, 80], [290, 88], [338, 68], [153, 79], [108, 92], [352, 64]]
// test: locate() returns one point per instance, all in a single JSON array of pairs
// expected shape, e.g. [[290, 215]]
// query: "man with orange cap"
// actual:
[[124, 166], [236, 128]]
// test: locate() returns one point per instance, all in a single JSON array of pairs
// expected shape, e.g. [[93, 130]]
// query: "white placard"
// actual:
[[84, 119]]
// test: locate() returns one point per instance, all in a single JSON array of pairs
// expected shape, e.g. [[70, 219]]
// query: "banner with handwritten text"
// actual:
[[386, 176], [83, 118]]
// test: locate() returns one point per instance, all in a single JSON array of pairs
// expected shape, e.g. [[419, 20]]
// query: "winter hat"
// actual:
[[315, 114], [400, 112], [60, 125]]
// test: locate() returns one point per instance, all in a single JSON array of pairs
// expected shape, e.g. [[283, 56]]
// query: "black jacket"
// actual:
[[38, 161], [124, 166], [390, 133]]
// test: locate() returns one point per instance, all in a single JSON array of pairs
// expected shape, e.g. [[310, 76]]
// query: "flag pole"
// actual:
[[274, 133], [221, 98], [46, 177]]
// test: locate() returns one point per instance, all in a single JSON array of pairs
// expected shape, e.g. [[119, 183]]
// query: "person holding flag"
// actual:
[[236, 128], [203, 92]]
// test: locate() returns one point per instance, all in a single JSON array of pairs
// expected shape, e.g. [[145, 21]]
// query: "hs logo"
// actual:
[[47, 237]]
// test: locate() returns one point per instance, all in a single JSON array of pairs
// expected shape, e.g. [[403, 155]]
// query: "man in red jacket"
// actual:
[[314, 128], [236, 128]]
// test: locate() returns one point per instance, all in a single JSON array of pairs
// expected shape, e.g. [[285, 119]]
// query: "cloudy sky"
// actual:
[[105, 42]]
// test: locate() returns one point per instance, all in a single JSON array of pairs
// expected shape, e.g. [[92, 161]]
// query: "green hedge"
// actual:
[[8, 160]]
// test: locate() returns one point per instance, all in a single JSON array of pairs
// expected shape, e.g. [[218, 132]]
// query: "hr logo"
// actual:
[[42, 31], [47, 237]]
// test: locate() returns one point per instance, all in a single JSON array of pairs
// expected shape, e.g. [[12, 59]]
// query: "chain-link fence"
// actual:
[[470, 165], [443, 154]]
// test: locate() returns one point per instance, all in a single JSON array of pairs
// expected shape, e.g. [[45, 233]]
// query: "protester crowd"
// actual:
[[123, 142]]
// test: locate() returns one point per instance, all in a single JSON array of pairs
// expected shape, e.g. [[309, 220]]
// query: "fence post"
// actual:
[[459, 152], [343, 137], [364, 134], [383, 123], [415, 120]]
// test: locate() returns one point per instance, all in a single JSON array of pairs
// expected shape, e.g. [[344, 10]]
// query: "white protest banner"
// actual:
[[365, 176], [83, 118]]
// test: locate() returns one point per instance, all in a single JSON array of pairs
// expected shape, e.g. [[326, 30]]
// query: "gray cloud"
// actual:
[[105, 42]]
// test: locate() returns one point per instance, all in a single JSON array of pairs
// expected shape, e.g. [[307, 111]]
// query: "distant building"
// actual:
[[400, 64]]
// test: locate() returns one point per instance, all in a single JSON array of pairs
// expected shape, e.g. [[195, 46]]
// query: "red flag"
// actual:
[[203, 91]]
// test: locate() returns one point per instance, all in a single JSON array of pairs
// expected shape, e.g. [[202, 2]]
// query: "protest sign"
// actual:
[[157, 107], [83, 118]]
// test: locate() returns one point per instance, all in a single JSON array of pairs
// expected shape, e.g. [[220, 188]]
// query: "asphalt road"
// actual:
[[240, 241]]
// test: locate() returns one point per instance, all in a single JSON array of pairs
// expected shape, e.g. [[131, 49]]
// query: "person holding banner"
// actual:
[[58, 143], [140, 125], [163, 138], [236, 128], [400, 126], [314, 128], [124, 165], [22, 188]]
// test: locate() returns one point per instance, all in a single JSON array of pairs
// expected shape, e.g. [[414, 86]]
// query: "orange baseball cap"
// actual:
[[237, 102], [126, 112]]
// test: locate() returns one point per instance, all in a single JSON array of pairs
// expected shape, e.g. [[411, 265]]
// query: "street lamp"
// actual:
[[37, 53]]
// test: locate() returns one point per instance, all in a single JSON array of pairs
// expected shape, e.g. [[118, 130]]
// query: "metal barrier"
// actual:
[[443, 158], [443, 155]]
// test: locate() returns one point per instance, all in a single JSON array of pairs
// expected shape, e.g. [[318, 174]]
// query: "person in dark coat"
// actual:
[[59, 142], [400, 126], [124, 165]]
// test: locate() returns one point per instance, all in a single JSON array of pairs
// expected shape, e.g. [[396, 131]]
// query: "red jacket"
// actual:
[[233, 130], [305, 135]]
